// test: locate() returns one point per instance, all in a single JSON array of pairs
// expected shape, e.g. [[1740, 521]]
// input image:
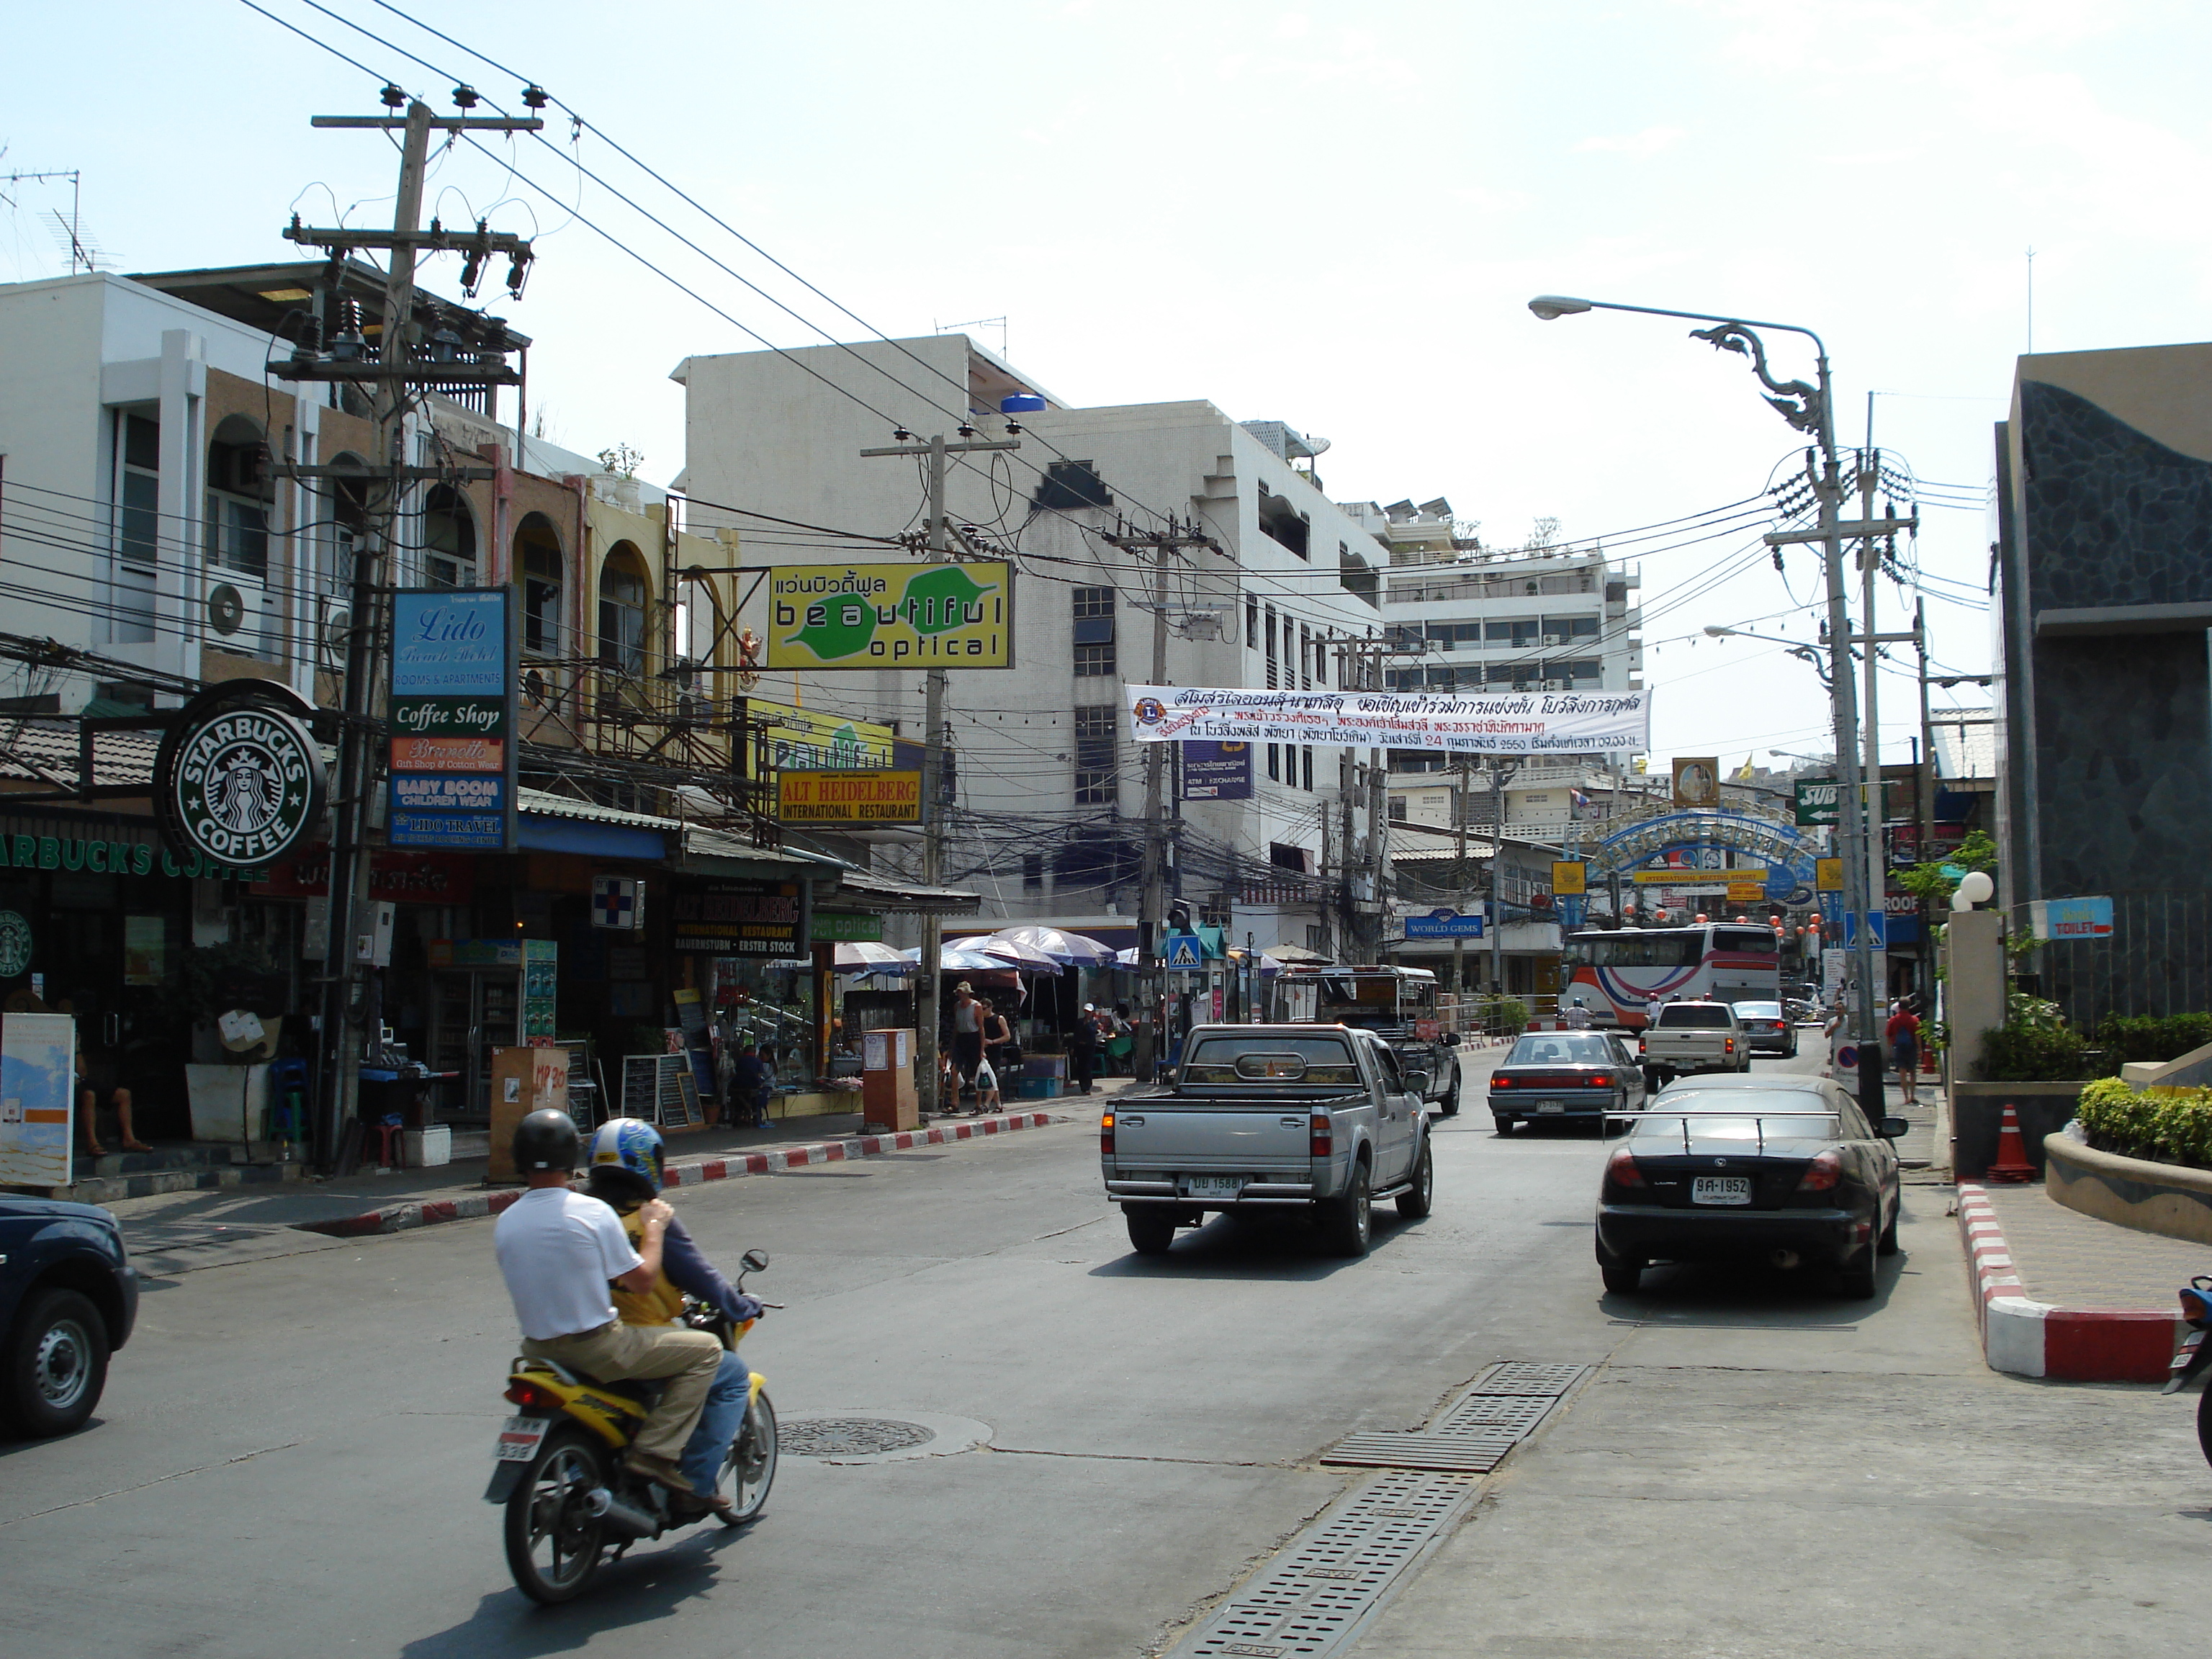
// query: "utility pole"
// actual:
[[1152, 896], [395, 370], [1359, 667], [1877, 861], [1494, 923], [934, 745], [1924, 804], [1459, 876]]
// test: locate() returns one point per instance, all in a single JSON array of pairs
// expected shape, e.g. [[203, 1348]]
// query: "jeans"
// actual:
[[709, 1445]]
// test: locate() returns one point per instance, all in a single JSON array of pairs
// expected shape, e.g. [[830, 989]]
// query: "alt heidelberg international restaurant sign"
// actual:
[[1502, 723], [453, 718]]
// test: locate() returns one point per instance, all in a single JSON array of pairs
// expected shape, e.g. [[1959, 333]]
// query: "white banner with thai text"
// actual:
[[1501, 723]]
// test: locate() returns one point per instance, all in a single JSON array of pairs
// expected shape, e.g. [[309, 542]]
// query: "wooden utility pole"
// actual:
[[395, 370], [935, 743]]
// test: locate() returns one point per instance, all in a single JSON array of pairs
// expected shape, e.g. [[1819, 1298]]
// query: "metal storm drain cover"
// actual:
[[1518, 1377], [849, 1437], [1474, 1434]]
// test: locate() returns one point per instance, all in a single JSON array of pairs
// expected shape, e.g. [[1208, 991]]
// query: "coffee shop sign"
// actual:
[[113, 857]]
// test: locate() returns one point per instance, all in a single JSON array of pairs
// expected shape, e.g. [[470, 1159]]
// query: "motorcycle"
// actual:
[[2194, 1357], [571, 1506]]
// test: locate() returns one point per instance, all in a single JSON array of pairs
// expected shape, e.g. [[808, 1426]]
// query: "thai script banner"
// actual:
[[1506, 723]]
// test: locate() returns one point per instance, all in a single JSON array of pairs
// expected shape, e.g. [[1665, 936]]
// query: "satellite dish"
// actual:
[[226, 608]]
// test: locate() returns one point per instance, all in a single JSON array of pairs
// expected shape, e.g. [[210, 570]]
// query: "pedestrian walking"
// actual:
[[1083, 1048], [966, 1036], [1121, 1041], [1903, 1033]]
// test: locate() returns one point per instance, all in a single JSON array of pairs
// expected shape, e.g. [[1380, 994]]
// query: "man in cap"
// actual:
[[1083, 1048]]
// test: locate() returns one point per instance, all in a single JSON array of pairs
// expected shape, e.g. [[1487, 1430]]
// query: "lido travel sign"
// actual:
[[453, 718]]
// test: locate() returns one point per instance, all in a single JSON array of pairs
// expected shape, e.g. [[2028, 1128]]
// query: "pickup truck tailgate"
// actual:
[[1186, 1136]]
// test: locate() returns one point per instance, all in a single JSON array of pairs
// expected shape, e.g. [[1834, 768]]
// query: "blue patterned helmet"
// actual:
[[631, 1146]]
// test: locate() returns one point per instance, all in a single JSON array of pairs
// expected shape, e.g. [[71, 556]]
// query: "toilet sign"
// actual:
[[2061, 919]]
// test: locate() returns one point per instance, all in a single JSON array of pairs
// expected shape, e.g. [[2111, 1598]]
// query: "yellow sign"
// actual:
[[818, 740], [1568, 878], [1746, 892], [891, 615], [1714, 878], [1828, 875], [843, 796]]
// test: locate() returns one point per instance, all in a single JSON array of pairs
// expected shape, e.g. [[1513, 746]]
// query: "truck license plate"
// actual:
[[1214, 1186], [518, 1439], [1721, 1189], [1551, 1106]]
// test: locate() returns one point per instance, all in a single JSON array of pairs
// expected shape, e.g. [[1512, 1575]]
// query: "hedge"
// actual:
[[2173, 1126], [2153, 1038]]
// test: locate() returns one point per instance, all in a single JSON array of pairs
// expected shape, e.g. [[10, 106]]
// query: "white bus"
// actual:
[[1618, 972]]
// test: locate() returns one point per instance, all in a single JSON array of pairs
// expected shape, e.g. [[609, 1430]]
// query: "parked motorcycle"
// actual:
[[2194, 1357], [571, 1506]]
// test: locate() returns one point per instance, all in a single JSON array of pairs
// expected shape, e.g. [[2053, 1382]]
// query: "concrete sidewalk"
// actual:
[[2061, 1294]]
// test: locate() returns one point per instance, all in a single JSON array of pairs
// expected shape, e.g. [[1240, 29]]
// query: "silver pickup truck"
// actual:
[[1691, 1038], [1270, 1117]]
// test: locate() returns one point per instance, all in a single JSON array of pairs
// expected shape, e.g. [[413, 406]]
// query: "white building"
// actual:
[[1050, 787]]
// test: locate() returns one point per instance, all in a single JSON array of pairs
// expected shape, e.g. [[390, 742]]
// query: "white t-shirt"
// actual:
[[557, 1250]]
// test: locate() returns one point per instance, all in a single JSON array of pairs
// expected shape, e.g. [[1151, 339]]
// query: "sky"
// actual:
[[1331, 216]]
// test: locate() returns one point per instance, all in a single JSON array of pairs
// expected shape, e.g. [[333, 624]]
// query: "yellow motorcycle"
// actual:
[[571, 1506]]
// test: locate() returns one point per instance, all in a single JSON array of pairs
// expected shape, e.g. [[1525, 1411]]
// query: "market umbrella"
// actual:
[[1071, 950], [873, 958], [1011, 952], [1294, 953], [1131, 957], [952, 959]]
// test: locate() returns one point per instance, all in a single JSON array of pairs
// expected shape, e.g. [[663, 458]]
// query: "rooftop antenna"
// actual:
[[999, 323], [75, 245], [73, 239], [2030, 303]]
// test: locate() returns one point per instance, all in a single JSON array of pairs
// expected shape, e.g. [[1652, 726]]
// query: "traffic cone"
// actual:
[[2011, 1167]]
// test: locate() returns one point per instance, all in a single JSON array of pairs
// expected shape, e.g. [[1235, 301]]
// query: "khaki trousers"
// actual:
[[612, 1353]]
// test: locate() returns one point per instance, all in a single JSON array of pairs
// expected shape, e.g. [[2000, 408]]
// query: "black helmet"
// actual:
[[545, 1140]]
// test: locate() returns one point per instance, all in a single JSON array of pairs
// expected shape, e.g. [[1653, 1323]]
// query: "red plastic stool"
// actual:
[[390, 1146]]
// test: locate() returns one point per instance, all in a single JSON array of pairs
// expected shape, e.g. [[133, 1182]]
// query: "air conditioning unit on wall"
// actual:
[[238, 614]]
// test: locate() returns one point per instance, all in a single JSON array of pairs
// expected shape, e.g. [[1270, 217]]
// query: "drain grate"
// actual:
[[1512, 1414], [850, 1436], [1452, 1453], [1518, 1376], [1326, 1585]]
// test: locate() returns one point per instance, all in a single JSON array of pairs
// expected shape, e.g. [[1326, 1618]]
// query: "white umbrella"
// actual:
[[1074, 950], [865, 958], [1013, 953]]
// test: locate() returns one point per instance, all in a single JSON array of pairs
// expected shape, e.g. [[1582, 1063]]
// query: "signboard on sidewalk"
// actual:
[[37, 1097], [891, 615], [453, 718]]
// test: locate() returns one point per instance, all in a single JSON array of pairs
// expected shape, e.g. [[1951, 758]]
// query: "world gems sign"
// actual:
[[891, 615], [453, 718], [239, 777]]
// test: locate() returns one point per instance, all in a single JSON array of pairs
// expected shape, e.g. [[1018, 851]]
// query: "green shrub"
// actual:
[[2176, 1125], [1508, 1016], [2151, 1037], [2019, 1053]]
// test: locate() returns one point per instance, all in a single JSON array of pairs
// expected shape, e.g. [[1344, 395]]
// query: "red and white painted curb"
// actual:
[[2029, 1337], [427, 1212]]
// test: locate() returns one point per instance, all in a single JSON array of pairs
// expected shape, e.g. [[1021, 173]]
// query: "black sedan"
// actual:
[[1790, 1175], [67, 1297], [1565, 1074], [1768, 1028]]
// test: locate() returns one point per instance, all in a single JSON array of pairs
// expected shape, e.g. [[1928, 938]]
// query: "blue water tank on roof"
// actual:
[[1022, 403]]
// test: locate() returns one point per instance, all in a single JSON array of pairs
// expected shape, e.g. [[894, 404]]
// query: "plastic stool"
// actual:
[[288, 1115], [390, 1146]]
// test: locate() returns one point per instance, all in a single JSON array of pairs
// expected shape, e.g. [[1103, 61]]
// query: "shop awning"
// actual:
[[719, 852], [547, 823], [859, 890]]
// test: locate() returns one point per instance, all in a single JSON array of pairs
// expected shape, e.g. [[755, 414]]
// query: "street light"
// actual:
[[1810, 409], [1796, 648]]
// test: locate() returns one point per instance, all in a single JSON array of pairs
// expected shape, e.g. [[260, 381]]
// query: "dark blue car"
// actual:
[[67, 1297]]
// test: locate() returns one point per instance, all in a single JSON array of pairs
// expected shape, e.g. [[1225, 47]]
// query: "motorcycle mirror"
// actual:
[[755, 1260]]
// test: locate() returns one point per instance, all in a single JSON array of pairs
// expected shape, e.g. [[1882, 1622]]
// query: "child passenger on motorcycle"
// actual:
[[627, 1170]]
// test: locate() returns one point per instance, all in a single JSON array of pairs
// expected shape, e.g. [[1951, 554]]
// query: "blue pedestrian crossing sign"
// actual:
[[1876, 933], [1185, 951]]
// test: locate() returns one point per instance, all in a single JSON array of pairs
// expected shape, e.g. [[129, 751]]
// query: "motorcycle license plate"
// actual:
[[1550, 1106], [1721, 1189], [518, 1439], [1214, 1186]]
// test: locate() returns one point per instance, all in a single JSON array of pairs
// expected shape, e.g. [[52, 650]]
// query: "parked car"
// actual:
[[1692, 1037], [1781, 1170], [1565, 1074], [68, 1298], [1767, 1028], [1313, 1118]]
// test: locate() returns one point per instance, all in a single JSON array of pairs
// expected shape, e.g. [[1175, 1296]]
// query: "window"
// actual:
[[1032, 873], [1571, 628], [1271, 652], [1070, 484], [140, 492], [537, 557], [1398, 809], [1275, 761], [449, 540], [1305, 658], [1306, 755], [1095, 661], [1093, 602], [1251, 620], [1283, 523], [1095, 730], [1094, 632], [1518, 631], [240, 492], [622, 610]]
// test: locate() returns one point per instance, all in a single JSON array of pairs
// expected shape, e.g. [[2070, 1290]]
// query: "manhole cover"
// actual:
[[849, 1437]]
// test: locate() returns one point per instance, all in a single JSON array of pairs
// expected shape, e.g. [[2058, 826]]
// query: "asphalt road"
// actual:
[[291, 1452]]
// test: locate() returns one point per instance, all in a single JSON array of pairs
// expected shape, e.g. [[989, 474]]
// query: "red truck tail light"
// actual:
[[1620, 1169], [1320, 1135], [1106, 1135], [1727, 1045], [1823, 1175]]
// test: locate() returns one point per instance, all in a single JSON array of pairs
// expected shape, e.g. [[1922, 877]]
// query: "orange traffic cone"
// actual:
[[2012, 1166]]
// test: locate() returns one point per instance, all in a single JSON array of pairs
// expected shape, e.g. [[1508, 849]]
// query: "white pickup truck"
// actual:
[[1315, 1118], [1689, 1037]]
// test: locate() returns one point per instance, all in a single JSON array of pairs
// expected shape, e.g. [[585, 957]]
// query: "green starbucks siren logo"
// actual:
[[14, 945], [241, 782]]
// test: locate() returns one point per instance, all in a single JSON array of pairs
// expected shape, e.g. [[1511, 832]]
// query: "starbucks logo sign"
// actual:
[[240, 780], [14, 945]]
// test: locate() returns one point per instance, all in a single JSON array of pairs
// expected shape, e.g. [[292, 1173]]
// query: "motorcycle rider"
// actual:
[[560, 1251], [1579, 1017], [627, 1171]]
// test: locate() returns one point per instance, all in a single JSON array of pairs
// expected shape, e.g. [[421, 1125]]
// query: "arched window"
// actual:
[[537, 561], [622, 610], [449, 540], [240, 492]]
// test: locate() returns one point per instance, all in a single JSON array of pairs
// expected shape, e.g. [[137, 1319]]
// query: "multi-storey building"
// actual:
[[1049, 792]]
